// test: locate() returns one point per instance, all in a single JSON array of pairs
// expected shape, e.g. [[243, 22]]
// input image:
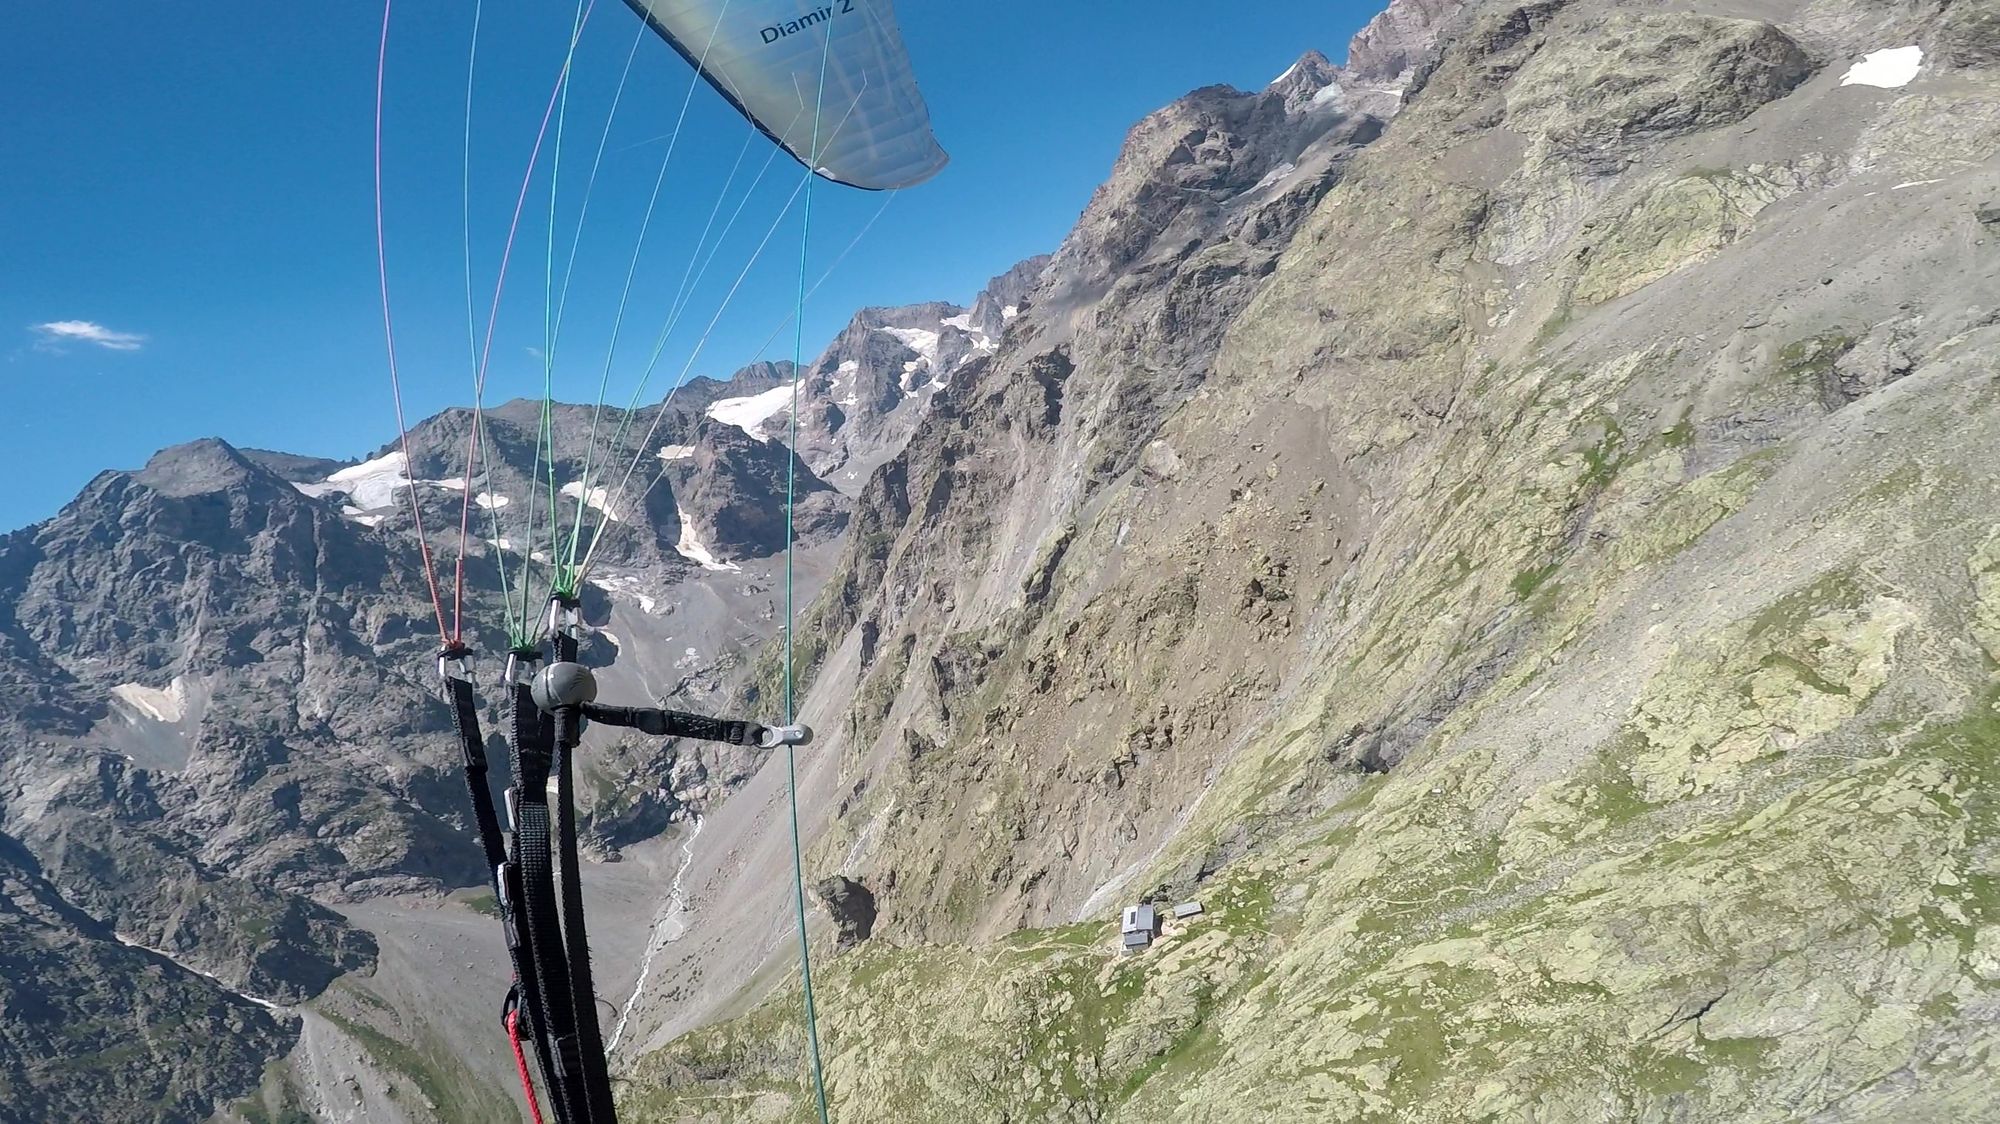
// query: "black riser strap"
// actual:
[[583, 989], [472, 748], [674, 724], [540, 921], [528, 980]]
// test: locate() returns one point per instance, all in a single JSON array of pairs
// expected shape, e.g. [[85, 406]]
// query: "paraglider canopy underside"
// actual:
[[867, 127]]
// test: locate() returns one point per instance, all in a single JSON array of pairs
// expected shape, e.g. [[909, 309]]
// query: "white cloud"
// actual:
[[55, 333]]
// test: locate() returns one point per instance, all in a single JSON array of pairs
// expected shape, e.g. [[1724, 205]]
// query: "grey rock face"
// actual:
[[1005, 297], [95, 1028], [1501, 611], [218, 668], [1395, 43], [852, 907], [1968, 33]]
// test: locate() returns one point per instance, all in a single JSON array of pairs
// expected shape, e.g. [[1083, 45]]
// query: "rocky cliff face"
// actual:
[[865, 396], [223, 738], [1505, 524], [1531, 576], [97, 1027]]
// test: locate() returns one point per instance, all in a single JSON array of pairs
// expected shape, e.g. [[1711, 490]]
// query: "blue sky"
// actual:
[[188, 245]]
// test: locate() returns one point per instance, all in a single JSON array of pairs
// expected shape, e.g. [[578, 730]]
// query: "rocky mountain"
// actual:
[[1513, 540], [866, 394], [225, 741], [1504, 526], [99, 1027]]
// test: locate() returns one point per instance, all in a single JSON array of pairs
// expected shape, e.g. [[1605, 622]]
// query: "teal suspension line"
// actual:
[[791, 606]]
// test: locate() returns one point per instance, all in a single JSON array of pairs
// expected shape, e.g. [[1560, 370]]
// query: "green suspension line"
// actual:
[[791, 602]]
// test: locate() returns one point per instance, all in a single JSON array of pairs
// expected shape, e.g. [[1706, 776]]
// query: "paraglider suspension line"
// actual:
[[791, 600], [389, 330]]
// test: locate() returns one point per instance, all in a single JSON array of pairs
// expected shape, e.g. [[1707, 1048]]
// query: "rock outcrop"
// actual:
[[852, 907], [1544, 609]]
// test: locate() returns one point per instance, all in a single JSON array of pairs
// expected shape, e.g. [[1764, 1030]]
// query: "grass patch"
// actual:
[[1603, 460], [1528, 581], [277, 1101], [1811, 360], [1789, 614], [1681, 436], [434, 1081]]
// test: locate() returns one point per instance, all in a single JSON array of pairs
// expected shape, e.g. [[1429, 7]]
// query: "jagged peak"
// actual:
[[1311, 74], [1388, 48], [199, 468]]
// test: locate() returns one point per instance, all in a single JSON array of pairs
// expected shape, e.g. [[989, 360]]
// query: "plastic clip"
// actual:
[[771, 737]]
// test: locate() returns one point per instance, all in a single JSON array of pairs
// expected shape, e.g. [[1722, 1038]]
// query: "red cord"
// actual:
[[521, 1062]]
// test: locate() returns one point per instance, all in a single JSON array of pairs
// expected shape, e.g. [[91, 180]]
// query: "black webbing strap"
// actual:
[[531, 736], [472, 746], [595, 1071], [502, 864], [674, 723], [546, 926]]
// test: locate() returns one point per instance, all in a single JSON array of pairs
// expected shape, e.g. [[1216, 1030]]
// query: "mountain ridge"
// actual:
[[1504, 525]]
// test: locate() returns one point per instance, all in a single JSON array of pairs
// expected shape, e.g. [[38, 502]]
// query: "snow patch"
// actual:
[[694, 550], [169, 705], [1273, 176], [368, 484], [629, 586], [920, 340], [1328, 95], [491, 502], [980, 340], [372, 485], [128, 942], [599, 498], [750, 414], [925, 343], [676, 452], [362, 517], [1915, 183], [1010, 312], [1289, 71], [840, 375], [1889, 69]]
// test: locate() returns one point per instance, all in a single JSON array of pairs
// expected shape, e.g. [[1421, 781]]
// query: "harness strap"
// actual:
[[594, 1072], [675, 724], [472, 748], [547, 936], [532, 739], [500, 848]]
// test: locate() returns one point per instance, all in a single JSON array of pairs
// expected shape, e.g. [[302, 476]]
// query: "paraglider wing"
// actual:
[[767, 56]]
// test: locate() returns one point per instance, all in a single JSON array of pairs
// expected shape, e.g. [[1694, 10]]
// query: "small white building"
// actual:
[[1139, 926]]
